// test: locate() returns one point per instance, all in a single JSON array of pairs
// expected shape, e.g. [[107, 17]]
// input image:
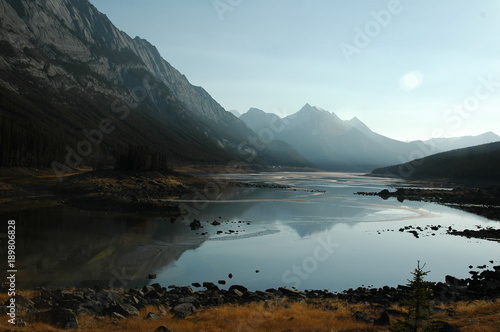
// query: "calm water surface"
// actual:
[[296, 238]]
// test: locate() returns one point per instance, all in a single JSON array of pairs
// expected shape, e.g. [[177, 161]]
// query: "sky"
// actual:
[[409, 69]]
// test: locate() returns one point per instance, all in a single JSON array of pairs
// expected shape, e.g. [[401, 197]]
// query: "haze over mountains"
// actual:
[[76, 91], [335, 144], [446, 144]]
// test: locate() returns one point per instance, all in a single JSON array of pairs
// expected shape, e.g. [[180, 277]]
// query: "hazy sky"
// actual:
[[409, 69]]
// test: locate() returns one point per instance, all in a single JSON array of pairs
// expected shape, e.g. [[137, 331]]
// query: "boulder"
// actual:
[[183, 310], [147, 288], [93, 306], [158, 288], [152, 316], [241, 289], [291, 292], [453, 281], [24, 306], [188, 299], [237, 292], [72, 304], [210, 286], [106, 297], [152, 295], [62, 318], [123, 309]]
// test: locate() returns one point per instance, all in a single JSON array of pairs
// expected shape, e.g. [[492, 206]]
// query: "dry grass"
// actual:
[[324, 316], [477, 316], [250, 317]]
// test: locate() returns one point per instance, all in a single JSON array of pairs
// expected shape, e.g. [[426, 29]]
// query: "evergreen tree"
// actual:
[[418, 303]]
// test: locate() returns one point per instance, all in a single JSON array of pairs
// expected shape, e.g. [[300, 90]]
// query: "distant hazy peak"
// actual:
[[316, 113], [358, 124], [257, 119], [309, 108], [235, 113], [255, 110], [490, 135], [451, 143], [258, 113]]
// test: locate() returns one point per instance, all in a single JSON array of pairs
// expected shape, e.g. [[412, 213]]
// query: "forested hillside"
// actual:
[[480, 162]]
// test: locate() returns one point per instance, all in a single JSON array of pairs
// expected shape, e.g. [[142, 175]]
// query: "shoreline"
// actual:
[[61, 307], [480, 201], [139, 192], [158, 191], [103, 190]]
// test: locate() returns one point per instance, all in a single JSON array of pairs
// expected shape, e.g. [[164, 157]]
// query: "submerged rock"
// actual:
[[195, 225]]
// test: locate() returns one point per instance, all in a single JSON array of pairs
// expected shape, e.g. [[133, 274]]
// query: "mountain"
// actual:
[[472, 163], [332, 143], [75, 90], [257, 119], [447, 144], [235, 113]]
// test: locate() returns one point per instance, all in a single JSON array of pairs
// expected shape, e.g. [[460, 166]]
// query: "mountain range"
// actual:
[[348, 145], [76, 91], [452, 143]]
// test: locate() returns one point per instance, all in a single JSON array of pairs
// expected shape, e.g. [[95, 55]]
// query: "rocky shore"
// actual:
[[481, 201], [484, 233], [109, 190], [60, 307], [275, 186], [125, 191]]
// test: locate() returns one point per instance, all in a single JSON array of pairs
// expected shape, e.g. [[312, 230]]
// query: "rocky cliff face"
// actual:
[[78, 31], [67, 61]]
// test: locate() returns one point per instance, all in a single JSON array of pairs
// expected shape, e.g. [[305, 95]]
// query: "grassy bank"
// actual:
[[280, 315], [111, 190]]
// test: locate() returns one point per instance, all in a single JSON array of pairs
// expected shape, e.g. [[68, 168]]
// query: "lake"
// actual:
[[315, 235]]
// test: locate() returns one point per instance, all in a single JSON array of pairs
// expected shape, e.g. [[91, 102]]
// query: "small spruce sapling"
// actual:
[[418, 303]]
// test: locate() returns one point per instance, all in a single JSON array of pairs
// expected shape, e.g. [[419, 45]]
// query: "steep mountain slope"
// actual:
[[76, 90], [476, 163], [332, 143]]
